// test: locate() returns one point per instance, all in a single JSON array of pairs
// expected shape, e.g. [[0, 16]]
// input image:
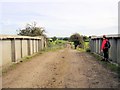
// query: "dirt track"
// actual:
[[65, 68]]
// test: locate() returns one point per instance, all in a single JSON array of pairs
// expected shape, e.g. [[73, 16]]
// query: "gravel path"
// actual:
[[65, 68]]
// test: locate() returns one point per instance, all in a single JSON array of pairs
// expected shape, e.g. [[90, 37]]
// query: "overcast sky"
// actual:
[[61, 17]]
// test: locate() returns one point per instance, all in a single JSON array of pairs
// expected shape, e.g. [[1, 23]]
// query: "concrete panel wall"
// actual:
[[31, 47], [6, 52], [110, 50], [1, 53], [37, 45], [24, 48], [94, 46], [118, 51], [97, 46], [34, 42], [13, 48], [114, 51], [18, 49], [40, 45]]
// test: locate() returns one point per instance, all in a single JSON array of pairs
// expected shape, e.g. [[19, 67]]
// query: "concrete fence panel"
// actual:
[[34, 46], [13, 48], [118, 51], [6, 52], [18, 49], [40, 45], [1, 52], [114, 51], [30, 47], [24, 48]]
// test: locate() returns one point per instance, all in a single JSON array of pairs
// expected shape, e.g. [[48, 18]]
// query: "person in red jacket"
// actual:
[[104, 48]]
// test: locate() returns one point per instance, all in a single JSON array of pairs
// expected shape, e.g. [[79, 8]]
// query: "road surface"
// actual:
[[66, 68]]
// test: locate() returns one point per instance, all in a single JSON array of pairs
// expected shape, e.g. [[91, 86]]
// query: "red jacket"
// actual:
[[103, 44]]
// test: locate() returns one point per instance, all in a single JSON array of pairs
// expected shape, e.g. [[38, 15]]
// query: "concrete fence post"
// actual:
[[1, 53], [29, 49], [21, 47], [118, 51], [33, 46], [13, 50]]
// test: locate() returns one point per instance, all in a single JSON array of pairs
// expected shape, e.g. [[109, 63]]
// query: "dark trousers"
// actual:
[[105, 52]]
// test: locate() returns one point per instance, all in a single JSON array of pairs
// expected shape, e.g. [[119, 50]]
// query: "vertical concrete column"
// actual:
[[40, 44], [24, 48], [118, 51], [1, 64], [94, 46], [21, 47], [6, 51], [1, 53], [17, 49], [13, 50], [36, 45], [97, 45], [29, 48], [100, 42], [33, 46], [110, 50], [114, 50]]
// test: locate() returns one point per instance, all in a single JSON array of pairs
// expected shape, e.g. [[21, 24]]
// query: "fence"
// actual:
[[13, 48], [114, 52]]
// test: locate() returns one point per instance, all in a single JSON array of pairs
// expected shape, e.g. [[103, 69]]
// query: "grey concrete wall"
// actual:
[[24, 48], [39, 45], [0, 52], [34, 42], [6, 52], [118, 51], [31, 47], [18, 49], [13, 48], [114, 51]]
